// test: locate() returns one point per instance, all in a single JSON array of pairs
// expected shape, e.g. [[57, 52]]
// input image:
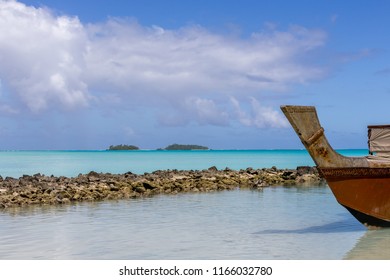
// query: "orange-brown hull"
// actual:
[[361, 184], [365, 192]]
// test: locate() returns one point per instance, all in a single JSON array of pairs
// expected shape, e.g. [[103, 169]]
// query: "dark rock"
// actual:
[[148, 186], [213, 169], [114, 188], [93, 174], [301, 170], [289, 175]]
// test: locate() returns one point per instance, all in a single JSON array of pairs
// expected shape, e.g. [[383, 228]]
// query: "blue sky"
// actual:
[[88, 74]]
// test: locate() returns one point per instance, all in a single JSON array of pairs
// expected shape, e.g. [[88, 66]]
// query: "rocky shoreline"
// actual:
[[47, 190]]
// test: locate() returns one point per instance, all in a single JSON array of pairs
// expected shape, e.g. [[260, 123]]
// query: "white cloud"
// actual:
[[195, 109], [57, 61], [258, 115], [41, 56], [207, 111]]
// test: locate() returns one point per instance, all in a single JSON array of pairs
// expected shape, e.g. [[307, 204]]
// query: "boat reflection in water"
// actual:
[[374, 245]]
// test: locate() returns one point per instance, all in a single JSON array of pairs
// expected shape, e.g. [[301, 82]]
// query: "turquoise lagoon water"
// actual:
[[72, 163], [273, 223]]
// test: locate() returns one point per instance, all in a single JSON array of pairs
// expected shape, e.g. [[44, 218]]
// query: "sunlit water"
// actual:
[[72, 163], [273, 223]]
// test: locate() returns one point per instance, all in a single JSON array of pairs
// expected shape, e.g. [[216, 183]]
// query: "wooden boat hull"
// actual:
[[365, 192], [360, 184]]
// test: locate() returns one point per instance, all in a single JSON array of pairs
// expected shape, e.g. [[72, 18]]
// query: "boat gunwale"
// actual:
[[354, 172]]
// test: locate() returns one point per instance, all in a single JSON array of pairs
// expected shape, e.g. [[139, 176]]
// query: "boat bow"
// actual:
[[306, 124], [361, 184]]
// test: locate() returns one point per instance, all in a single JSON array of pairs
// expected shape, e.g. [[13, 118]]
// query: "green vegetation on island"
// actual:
[[123, 148], [185, 147], [173, 147]]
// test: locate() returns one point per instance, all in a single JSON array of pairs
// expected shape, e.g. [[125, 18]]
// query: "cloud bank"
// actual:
[[187, 75]]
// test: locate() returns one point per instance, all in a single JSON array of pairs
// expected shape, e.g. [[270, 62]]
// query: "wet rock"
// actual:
[[139, 189], [41, 189], [148, 186], [114, 188], [213, 169], [289, 175], [308, 179], [301, 170]]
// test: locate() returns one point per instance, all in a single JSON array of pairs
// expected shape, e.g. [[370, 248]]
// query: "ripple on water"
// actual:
[[276, 223]]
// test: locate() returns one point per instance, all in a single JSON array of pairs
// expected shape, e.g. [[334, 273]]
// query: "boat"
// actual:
[[360, 184]]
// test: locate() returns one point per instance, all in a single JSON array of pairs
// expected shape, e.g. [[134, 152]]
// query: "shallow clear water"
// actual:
[[275, 223]]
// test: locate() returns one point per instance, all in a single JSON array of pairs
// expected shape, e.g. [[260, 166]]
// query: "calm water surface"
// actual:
[[72, 163], [275, 223]]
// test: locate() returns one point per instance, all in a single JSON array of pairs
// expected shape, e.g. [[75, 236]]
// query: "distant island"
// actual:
[[122, 148], [174, 147]]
